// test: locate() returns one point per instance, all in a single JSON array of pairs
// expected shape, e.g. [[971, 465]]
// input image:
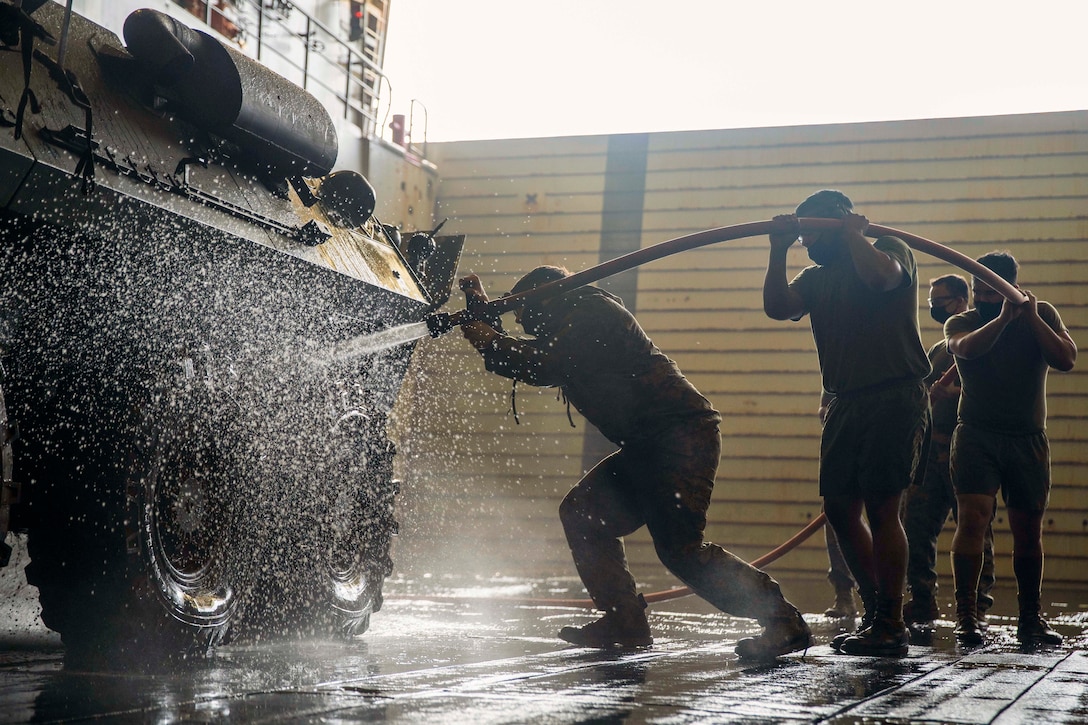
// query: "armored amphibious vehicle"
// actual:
[[178, 254]]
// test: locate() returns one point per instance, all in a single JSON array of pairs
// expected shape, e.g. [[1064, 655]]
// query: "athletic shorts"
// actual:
[[986, 462], [873, 442]]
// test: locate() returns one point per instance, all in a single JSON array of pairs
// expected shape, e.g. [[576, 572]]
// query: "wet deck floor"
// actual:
[[494, 661]]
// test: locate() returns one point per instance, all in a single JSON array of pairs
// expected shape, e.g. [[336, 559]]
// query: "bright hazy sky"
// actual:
[[519, 68]]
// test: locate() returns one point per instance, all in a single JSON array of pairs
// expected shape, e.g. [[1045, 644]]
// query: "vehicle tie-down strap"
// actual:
[[28, 30], [17, 27], [66, 80]]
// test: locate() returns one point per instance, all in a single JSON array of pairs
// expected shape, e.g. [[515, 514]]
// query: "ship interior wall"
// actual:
[[481, 490]]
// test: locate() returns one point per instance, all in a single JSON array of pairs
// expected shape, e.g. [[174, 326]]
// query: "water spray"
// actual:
[[440, 323], [371, 343]]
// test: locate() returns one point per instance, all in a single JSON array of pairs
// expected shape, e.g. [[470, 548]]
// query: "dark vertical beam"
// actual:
[[621, 232], [621, 211]]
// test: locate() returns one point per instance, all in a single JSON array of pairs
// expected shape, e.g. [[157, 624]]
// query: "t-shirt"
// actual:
[[1004, 390], [944, 409], [864, 337]]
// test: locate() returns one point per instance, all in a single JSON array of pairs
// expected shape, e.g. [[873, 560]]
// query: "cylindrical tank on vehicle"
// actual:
[[277, 124]]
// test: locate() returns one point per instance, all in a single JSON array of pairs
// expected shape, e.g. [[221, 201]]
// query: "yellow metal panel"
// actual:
[[1015, 182]]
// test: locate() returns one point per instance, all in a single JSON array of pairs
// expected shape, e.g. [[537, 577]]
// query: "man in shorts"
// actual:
[[1004, 351], [862, 300], [927, 505]]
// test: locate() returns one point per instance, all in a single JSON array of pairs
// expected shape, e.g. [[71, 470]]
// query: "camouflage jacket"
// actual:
[[594, 350]]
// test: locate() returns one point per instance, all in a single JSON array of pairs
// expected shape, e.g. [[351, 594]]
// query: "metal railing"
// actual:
[[421, 148], [299, 47]]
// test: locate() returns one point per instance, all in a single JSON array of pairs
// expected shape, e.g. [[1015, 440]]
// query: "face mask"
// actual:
[[823, 251], [988, 310], [939, 314]]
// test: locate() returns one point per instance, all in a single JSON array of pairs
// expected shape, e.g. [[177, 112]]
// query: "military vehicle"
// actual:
[[178, 256]]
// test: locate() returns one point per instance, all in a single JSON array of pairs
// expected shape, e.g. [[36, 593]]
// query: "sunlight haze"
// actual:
[[510, 68]]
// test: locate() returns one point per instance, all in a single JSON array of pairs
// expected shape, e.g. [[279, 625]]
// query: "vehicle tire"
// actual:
[[129, 543], [179, 519], [360, 523], [322, 527]]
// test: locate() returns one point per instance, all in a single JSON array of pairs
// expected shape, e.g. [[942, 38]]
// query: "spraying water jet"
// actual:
[[374, 342]]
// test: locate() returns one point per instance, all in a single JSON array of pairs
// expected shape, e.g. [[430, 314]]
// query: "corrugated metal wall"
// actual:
[[482, 492]]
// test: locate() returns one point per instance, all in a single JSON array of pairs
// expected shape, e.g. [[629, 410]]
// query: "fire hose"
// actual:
[[441, 323]]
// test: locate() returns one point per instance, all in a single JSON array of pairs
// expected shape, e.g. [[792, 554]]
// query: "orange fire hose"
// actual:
[[751, 229]]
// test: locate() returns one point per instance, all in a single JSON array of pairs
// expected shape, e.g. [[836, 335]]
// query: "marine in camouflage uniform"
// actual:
[[590, 347]]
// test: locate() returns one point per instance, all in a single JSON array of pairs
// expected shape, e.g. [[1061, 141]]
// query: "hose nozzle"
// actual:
[[439, 323]]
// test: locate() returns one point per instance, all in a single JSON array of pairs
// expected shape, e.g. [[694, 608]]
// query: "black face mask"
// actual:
[[824, 251], [988, 310], [939, 314]]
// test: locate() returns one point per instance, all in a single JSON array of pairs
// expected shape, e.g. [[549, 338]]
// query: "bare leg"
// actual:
[[1027, 564], [886, 636], [889, 545], [855, 539], [838, 574], [974, 512]]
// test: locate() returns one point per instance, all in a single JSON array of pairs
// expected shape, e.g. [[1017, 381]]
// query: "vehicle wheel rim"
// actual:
[[183, 527]]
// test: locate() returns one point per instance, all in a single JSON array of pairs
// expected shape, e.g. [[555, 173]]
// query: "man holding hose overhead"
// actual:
[[862, 301], [589, 346], [1004, 351]]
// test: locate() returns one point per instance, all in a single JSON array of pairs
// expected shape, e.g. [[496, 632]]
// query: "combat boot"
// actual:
[[967, 631], [984, 604], [920, 609], [919, 614], [1032, 629], [844, 605], [781, 635], [868, 603], [622, 627], [921, 633], [887, 637], [966, 570]]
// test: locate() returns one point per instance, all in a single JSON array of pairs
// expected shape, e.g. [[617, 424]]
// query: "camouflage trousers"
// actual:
[[925, 510], [664, 484]]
